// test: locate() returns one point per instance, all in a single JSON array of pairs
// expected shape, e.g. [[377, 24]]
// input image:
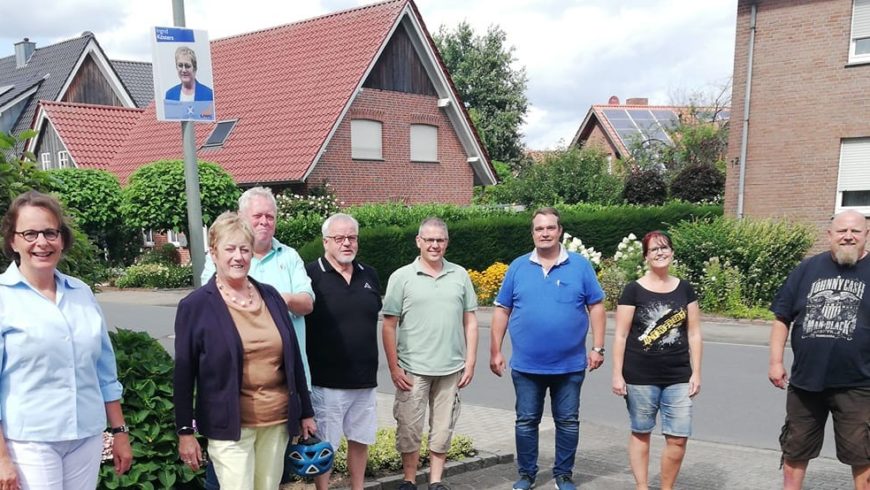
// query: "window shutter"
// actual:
[[424, 143], [861, 19], [366, 139], [854, 165]]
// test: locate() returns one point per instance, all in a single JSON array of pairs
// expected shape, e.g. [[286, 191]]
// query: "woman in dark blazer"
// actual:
[[235, 348]]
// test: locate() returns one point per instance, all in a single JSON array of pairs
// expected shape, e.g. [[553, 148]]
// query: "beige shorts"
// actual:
[[441, 395]]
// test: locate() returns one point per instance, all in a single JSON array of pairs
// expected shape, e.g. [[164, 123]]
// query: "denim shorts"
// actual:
[[673, 401]]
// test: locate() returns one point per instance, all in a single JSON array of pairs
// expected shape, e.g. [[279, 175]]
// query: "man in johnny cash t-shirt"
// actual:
[[826, 303]]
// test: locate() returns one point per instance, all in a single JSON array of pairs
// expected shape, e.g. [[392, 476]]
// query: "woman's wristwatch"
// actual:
[[186, 431], [119, 430], [599, 350]]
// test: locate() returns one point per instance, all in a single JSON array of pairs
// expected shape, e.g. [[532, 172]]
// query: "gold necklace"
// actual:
[[240, 302]]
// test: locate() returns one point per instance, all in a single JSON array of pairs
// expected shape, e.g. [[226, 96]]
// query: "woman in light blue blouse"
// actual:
[[58, 379]]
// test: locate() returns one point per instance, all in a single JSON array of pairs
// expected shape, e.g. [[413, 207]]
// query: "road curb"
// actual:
[[484, 459]]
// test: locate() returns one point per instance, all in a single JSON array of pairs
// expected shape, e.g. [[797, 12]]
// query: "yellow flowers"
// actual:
[[487, 283]]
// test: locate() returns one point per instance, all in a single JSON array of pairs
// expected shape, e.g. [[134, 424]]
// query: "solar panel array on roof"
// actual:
[[633, 124]]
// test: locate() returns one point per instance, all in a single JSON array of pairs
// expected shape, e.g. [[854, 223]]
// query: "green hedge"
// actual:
[[477, 243]]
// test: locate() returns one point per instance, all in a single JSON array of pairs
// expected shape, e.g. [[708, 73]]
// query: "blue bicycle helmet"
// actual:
[[310, 457]]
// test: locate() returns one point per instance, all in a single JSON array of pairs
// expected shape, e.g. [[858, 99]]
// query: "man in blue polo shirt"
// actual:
[[547, 302]]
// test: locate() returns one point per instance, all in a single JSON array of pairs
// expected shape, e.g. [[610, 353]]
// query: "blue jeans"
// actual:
[[565, 402]]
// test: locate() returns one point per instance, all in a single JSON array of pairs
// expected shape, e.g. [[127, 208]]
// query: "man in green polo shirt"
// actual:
[[430, 303]]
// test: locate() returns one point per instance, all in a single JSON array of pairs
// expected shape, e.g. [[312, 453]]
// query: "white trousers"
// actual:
[[254, 462], [66, 465]]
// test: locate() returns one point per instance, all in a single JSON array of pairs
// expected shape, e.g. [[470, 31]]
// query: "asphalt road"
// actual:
[[737, 404]]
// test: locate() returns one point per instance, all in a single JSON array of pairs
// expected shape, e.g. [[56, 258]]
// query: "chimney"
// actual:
[[614, 100], [23, 51], [637, 101]]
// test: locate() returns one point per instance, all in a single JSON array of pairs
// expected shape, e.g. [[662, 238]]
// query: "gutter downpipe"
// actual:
[[744, 138]]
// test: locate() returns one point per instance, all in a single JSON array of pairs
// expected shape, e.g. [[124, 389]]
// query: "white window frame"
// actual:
[[63, 159], [148, 237], [366, 139], [173, 237], [860, 30], [424, 143], [853, 171], [45, 160]]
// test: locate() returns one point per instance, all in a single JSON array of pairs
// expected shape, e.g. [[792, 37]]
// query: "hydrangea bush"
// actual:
[[574, 244]]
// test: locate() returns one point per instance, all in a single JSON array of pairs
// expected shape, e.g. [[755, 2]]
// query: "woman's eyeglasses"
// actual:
[[50, 234]]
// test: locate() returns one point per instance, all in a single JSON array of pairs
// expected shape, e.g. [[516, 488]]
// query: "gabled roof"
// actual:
[[51, 64], [289, 87], [138, 78], [91, 133], [52, 68], [623, 123]]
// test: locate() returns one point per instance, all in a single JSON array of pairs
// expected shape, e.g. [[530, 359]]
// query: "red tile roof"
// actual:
[[92, 133], [287, 86]]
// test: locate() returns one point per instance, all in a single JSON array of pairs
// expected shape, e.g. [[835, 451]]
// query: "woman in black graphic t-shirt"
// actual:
[[657, 359]]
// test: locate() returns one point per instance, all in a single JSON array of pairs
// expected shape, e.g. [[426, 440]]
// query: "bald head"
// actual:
[[848, 237]]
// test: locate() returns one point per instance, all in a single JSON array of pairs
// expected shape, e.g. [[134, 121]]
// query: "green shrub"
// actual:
[[720, 287], [156, 275], [166, 254], [145, 370], [383, 457], [93, 197], [477, 243], [298, 230], [155, 196], [764, 251], [698, 183], [613, 280], [567, 176], [645, 186]]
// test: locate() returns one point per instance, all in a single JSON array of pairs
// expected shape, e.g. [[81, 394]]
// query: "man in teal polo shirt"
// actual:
[[274, 263], [430, 306]]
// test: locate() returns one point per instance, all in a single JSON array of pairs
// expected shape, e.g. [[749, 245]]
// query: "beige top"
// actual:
[[264, 396]]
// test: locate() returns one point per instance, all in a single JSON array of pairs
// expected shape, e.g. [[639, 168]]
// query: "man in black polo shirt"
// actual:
[[342, 345]]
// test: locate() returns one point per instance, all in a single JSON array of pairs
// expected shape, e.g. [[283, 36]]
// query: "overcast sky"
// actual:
[[576, 52]]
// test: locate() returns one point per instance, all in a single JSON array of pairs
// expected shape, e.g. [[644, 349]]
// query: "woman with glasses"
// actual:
[[58, 382], [657, 359], [238, 369]]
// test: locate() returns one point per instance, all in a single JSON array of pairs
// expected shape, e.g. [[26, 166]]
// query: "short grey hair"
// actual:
[[338, 217], [259, 191], [433, 222]]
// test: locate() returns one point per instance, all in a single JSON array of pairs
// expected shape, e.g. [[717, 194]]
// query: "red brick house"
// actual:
[[359, 98], [805, 153]]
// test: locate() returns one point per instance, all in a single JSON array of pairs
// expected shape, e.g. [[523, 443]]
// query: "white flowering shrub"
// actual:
[[629, 257], [574, 244], [321, 201]]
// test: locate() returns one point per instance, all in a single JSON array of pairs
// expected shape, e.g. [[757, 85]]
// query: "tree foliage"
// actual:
[[566, 176], [698, 182], [155, 197], [93, 197], [492, 89], [645, 186], [18, 174]]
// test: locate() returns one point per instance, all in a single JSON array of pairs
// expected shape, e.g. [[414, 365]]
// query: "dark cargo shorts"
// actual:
[[807, 413]]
